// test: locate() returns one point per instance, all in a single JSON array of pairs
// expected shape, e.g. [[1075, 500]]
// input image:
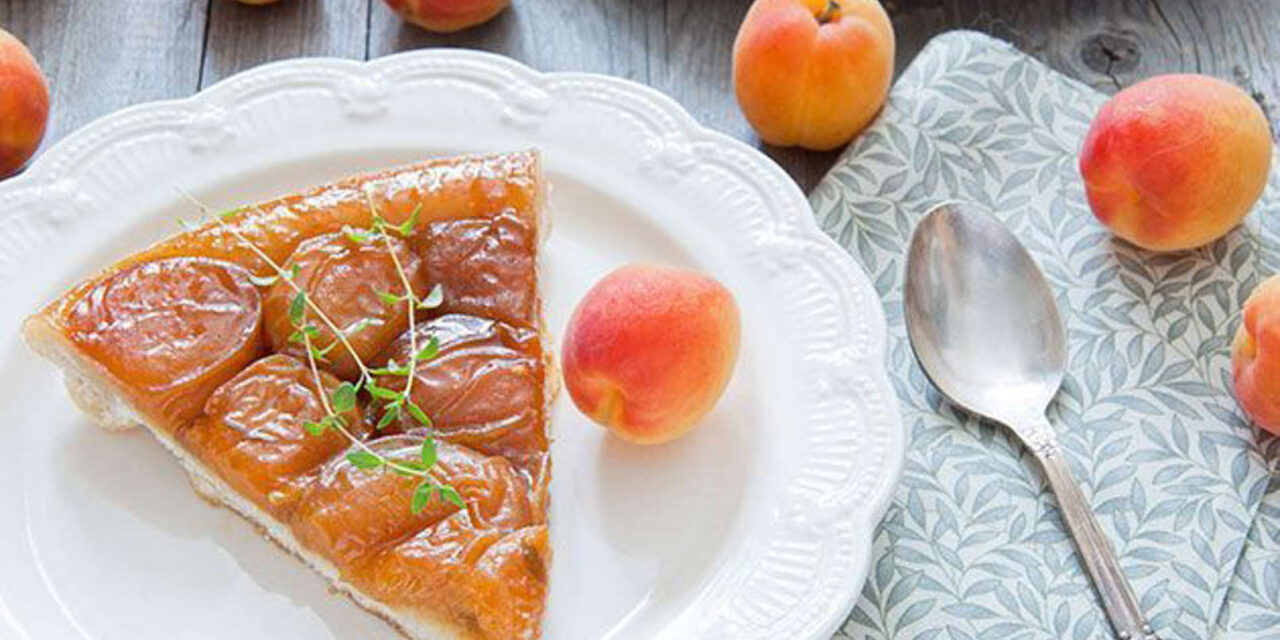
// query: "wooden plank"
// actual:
[[1110, 44], [680, 47], [101, 56], [684, 47], [602, 36], [242, 36]]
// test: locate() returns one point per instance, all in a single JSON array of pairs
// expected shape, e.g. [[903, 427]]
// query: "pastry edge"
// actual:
[[97, 396], [96, 393]]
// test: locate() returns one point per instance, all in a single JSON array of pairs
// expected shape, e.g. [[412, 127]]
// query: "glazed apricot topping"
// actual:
[[483, 389], [486, 266], [252, 432], [349, 514], [201, 348], [173, 329], [504, 570], [343, 277]]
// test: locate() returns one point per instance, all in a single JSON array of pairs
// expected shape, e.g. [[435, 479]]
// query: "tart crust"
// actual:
[[472, 183]]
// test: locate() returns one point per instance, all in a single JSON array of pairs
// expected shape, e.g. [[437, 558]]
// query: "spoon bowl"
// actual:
[[980, 316]]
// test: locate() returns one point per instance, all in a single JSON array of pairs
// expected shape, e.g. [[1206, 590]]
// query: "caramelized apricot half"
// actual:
[[253, 432], [343, 277], [173, 329], [486, 266], [348, 514], [504, 572], [483, 389]]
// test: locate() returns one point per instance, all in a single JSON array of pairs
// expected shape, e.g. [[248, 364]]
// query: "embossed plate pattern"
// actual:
[[758, 525]]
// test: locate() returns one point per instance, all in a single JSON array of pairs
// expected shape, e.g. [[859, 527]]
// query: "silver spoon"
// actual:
[[985, 327]]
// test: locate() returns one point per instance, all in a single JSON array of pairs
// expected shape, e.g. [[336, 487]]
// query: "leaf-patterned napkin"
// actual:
[[972, 547]]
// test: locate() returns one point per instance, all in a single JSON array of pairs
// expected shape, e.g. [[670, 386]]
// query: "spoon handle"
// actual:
[[1118, 599]]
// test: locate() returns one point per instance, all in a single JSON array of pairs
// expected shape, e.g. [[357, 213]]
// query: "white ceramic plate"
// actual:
[[758, 525]]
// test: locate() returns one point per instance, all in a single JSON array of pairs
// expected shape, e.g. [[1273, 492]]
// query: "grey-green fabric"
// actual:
[[972, 547]]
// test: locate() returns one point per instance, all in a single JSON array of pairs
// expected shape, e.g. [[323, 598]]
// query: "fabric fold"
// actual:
[[972, 546]]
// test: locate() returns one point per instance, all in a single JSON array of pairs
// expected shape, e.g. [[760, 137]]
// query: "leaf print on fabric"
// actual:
[[973, 546]]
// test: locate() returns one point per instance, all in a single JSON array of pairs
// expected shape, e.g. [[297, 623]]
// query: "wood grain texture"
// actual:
[[1111, 44], [243, 36], [683, 47], [680, 47], [101, 55]]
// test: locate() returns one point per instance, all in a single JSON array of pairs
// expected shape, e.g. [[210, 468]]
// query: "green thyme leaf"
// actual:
[[407, 226], [418, 414], [358, 236], [434, 299], [344, 397], [321, 354], [314, 428], [389, 299], [450, 495], [296, 337], [187, 224], [421, 496], [392, 369], [390, 413], [293, 271], [297, 307], [428, 453], [428, 351], [364, 460], [409, 468], [264, 281], [381, 393], [229, 213]]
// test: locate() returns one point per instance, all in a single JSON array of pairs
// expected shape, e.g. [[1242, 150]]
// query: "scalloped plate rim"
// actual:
[[44, 168]]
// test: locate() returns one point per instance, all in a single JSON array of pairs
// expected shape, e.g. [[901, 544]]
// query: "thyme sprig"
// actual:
[[395, 402], [343, 397]]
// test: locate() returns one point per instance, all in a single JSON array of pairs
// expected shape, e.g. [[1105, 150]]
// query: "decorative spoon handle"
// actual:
[[1118, 599]]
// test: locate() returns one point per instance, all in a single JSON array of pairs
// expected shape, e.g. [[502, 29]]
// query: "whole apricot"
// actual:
[[649, 350], [1255, 356], [24, 104], [1175, 161], [446, 16], [812, 73]]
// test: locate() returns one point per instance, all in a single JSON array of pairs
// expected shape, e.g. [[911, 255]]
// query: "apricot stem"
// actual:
[[830, 12]]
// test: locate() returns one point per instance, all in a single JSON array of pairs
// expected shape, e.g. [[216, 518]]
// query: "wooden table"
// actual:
[[101, 55]]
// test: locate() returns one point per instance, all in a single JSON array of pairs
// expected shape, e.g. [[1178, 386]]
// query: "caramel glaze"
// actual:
[[487, 265], [343, 277], [440, 189], [483, 389], [172, 330], [186, 336], [252, 432]]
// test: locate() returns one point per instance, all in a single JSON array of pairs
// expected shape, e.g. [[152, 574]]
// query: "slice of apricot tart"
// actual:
[[360, 370]]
